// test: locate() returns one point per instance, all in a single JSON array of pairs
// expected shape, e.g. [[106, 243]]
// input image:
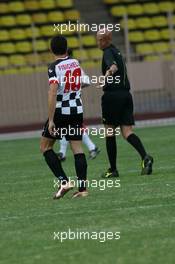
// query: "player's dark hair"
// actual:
[[58, 45]]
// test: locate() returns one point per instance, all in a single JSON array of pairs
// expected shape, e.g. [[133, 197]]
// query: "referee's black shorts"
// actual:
[[117, 108], [70, 126]]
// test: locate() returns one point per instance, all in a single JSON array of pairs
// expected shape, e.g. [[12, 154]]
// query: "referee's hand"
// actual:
[[108, 73], [51, 127]]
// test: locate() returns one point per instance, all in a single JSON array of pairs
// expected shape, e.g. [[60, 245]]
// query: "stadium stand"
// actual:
[[26, 28], [148, 25]]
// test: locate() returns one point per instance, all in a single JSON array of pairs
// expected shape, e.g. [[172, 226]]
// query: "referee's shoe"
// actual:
[[110, 174], [147, 164]]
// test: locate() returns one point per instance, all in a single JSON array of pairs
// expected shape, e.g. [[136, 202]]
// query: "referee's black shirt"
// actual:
[[111, 55]]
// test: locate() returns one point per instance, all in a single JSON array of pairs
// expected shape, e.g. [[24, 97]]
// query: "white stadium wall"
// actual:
[[23, 100]]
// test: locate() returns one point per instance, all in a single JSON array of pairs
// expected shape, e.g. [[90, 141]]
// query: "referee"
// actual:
[[117, 105]]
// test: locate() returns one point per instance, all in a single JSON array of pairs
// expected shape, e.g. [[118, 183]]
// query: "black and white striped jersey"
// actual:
[[69, 76]]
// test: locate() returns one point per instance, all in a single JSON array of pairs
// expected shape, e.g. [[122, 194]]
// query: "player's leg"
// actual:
[[110, 114], [80, 167], [46, 147], [93, 149], [111, 147], [63, 148], [134, 140]]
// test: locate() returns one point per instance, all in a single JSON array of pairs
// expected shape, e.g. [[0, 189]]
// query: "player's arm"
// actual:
[[52, 98]]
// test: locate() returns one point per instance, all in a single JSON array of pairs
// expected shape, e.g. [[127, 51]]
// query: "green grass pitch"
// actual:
[[142, 209]]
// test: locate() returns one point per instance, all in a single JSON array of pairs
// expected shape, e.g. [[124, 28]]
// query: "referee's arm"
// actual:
[[110, 61]]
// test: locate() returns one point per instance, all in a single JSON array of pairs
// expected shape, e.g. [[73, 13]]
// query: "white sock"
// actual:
[[63, 146], [88, 142]]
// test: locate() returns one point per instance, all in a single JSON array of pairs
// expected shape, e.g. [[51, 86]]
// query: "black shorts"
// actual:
[[70, 126], [117, 108]]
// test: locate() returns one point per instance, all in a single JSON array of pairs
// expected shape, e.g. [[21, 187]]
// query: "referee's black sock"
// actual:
[[137, 144], [111, 147], [81, 170], [55, 165]]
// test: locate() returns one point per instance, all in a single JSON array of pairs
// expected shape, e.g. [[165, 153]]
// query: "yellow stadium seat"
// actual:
[[128, 1], [4, 35], [152, 35], [82, 28], [25, 70], [39, 18], [66, 31], [55, 16], [33, 59], [111, 2], [46, 57], [144, 22], [23, 47], [41, 45], [151, 58], [7, 48], [136, 36], [159, 21], [161, 47], [173, 19], [16, 7], [32, 5], [41, 69], [135, 9], [80, 54], [10, 71], [166, 6], [47, 31], [89, 41], [131, 24], [145, 48], [165, 34], [88, 64], [47, 4], [151, 8], [118, 11], [17, 60], [32, 32], [64, 3], [94, 53], [73, 42], [168, 57], [16, 34], [23, 20], [8, 21], [172, 47], [72, 15], [3, 8], [3, 61]]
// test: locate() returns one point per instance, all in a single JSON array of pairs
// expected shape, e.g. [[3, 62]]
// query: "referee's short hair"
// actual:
[[58, 45]]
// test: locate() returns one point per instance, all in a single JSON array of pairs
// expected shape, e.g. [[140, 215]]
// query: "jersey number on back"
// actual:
[[72, 80]]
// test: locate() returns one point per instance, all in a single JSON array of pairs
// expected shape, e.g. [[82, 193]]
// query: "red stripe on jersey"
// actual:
[[53, 81]]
